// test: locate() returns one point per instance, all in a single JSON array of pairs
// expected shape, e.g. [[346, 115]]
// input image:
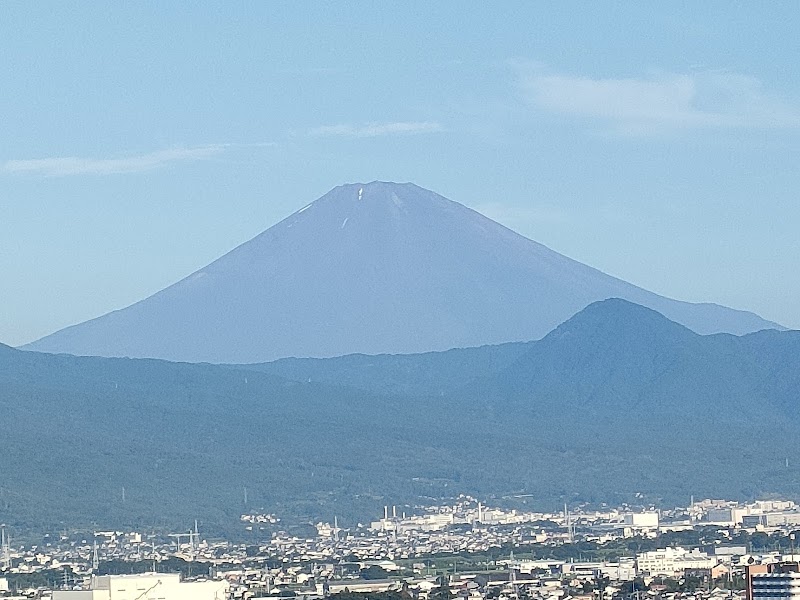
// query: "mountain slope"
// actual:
[[370, 268], [616, 401], [615, 357], [427, 374]]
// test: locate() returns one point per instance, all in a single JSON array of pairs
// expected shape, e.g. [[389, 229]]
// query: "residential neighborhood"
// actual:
[[464, 549]]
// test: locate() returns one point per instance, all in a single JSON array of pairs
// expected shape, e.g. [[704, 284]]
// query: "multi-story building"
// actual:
[[778, 581], [772, 519], [672, 561]]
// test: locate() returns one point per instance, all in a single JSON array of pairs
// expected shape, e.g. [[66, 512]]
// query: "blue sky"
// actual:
[[656, 141]]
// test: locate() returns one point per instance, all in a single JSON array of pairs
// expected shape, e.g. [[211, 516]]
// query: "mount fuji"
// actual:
[[370, 268]]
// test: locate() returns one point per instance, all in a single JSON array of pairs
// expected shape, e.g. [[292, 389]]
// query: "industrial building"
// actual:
[[147, 586], [671, 561]]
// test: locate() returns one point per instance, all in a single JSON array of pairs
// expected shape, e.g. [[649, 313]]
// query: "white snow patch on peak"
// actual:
[[360, 193], [307, 206], [344, 222]]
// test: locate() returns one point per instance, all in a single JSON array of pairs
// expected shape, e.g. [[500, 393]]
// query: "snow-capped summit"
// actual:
[[371, 268]]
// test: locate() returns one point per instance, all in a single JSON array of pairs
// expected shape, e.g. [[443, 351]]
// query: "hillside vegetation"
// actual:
[[616, 401]]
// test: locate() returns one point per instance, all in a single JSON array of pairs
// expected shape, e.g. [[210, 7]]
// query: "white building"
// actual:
[[430, 522], [622, 570], [643, 520], [147, 586], [772, 505], [670, 561]]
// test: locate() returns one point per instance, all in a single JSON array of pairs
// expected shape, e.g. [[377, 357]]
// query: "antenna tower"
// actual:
[[512, 577]]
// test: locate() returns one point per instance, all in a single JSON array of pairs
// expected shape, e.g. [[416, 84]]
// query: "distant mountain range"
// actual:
[[617, 400], [370, 268]]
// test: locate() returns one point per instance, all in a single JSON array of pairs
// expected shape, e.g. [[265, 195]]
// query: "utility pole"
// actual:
[[569, 524], [5, 551], [512, 578], [178, 537], [95, 557], [195, 539]]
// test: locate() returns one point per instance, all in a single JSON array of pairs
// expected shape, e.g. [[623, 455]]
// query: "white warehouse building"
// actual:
[[643, 520], [147, 586]]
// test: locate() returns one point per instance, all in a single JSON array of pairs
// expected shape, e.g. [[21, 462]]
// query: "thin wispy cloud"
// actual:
[[663, 102], [377, 129], [73, 165]]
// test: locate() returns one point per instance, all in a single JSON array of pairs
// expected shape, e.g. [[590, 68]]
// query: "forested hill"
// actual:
[[616, 401], [625, 361]]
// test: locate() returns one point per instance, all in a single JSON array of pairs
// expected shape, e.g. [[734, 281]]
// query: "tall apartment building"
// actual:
[[779, 581]]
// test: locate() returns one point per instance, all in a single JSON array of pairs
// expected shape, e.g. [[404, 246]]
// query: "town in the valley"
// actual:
[[709, 550]]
